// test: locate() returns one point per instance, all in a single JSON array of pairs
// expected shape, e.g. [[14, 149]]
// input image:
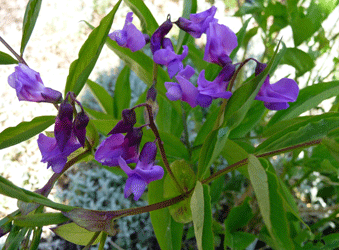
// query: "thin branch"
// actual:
[[19, 58]]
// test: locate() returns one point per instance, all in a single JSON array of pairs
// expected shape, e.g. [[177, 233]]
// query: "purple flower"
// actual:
[[52, 154], [167, 56], [198, 23], [159, 34], [184, 90], [118, 145], [126, 124], [29, 86], [144, 172], [217, 88], [129, 37], [220, 43], [275, 96]]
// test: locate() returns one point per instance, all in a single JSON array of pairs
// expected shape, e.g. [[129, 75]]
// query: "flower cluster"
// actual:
[[69, 135], [220, 42], [120, 150]]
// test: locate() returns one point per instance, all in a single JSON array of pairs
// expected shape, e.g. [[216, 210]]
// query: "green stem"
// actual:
[[95, 236], [102, 241]]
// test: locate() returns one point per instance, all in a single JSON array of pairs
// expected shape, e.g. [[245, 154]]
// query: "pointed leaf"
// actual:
[[89, 53], [24, 130], [122, 92], [31, 15], [298, 59], [6, 59], [197, 208], [102, 96]]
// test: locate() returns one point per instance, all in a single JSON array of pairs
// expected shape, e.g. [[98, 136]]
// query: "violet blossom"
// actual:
[[79, 127], [221, 40], [118, 145], [129, 37], [184, 90], [29, 86], [198, 23], [167, 56], [276, 96], [216, 88], [63, 124], [52, 154], [144, 172]]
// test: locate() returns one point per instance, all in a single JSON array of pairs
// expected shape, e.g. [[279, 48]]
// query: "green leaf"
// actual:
[[308, 98], [97, 115], [314, 128], [167, 231], [190, 6], [197, 208], [7, 59], [75, 234], [332, 146], [147, 20], [104, 99], [298, 59], [207, 234], [182, 171], [89, 53], [238, 240], [238, 217], [266, 188], [104, 126], [24, 130], [31, 15], [277, 127], [15, 239], [39, 220], [122, 92], [258, 178], [240, 37]]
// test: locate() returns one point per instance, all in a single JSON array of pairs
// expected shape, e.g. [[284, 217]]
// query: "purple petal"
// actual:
[[174, 67], [80, 123], [189, 91], [187, 72], [51, 153], [215, 89], [148, 153], [174, 92], [204, 100], [135, 185], [62, 131], [123, 165], [276, 105], [110, 150], [221, 40], [152, 174]]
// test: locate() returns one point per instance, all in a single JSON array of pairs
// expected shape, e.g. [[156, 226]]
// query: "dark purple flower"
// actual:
[[29, 86], [79, 127], [221, 40], [167, 56], [129, 37], [159, 34], [184, 90], [198, 23], [216, 88], [118, 145], [144, 172], [52, 154], [63, 125], [276, 96]]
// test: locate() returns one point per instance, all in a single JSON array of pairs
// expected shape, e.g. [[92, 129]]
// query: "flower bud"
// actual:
[[159, 34], [79, 127], [63, 125]]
